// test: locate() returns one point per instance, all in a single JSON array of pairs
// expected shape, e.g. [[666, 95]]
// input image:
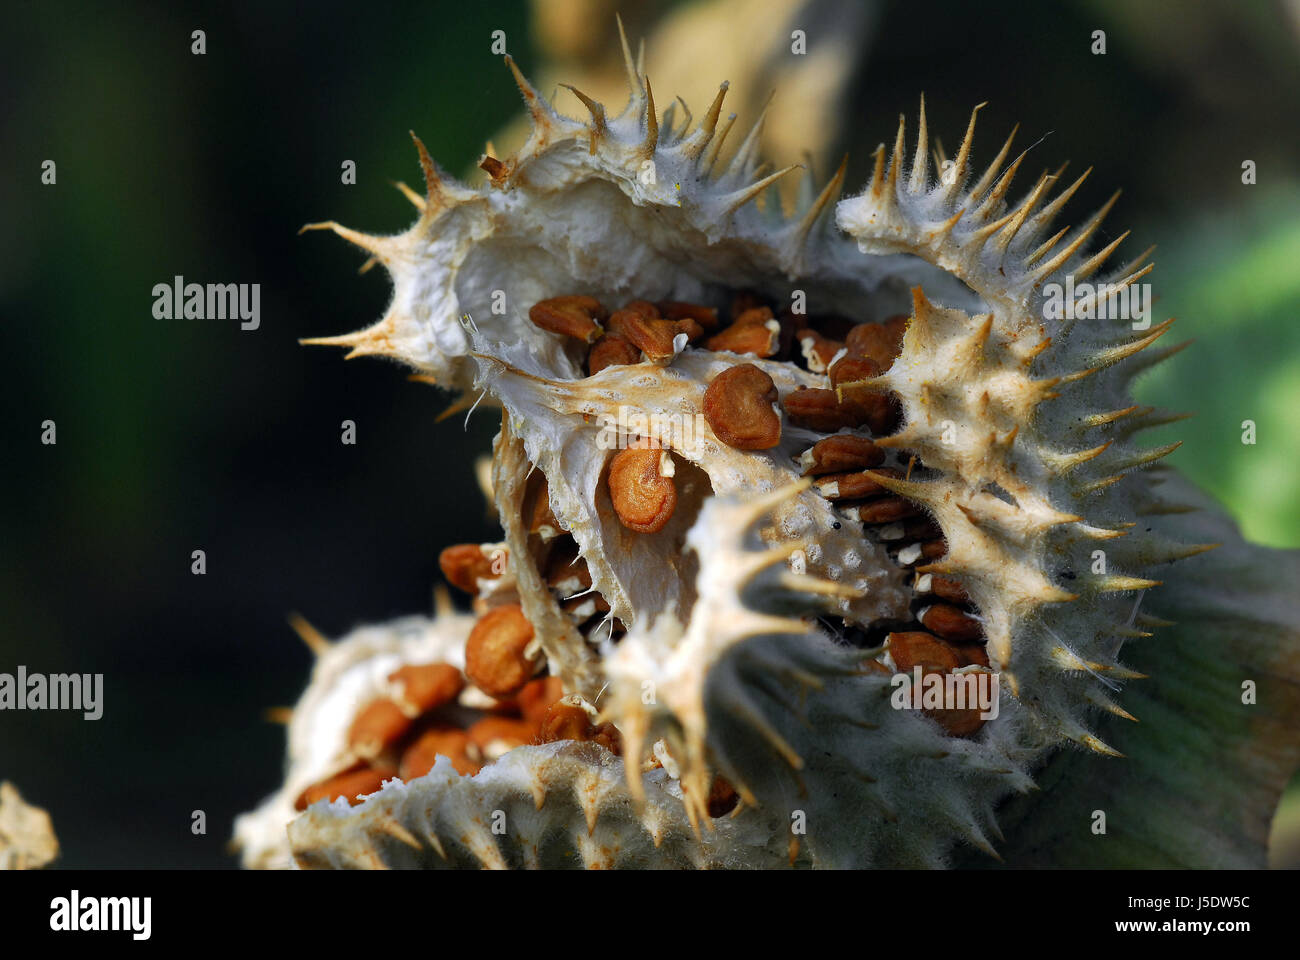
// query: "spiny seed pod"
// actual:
[[931, 494], [738, 407]]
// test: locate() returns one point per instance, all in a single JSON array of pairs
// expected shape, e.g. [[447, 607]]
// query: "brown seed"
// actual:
[[851, 380], [652, 336], [882, 342], [958, 723], [571, 316], [961, 723], [863, 338], [952, 623], [867, 483], [504, 706], [850, 486], [494, 735], [838, 453], [566, 720], [379, 725], [896, 326], [465, 564], [419, 758], [611, 350], [755, 331], [351, 784], [877, 409], [948, 589], [911, 649], [738, 408], [916, 648], [888, 510], [619, 319], [851, 370], [427, 686], [645, 308], [706, 317], [880, 413], [753, 317], [641, 323], [971, 654], [537, 696], [643, 497], [818, 410], [817, 350], [691, 327], [753, 340], [494, 653]]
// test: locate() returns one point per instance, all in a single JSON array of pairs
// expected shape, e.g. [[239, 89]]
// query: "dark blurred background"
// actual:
[[176, 435]]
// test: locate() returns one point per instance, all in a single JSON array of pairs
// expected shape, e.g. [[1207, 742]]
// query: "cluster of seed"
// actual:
[[515, 701], [744, 411], [401, 736]]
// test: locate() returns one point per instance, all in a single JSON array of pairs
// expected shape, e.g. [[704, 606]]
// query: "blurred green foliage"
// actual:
[[1233, 281]]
